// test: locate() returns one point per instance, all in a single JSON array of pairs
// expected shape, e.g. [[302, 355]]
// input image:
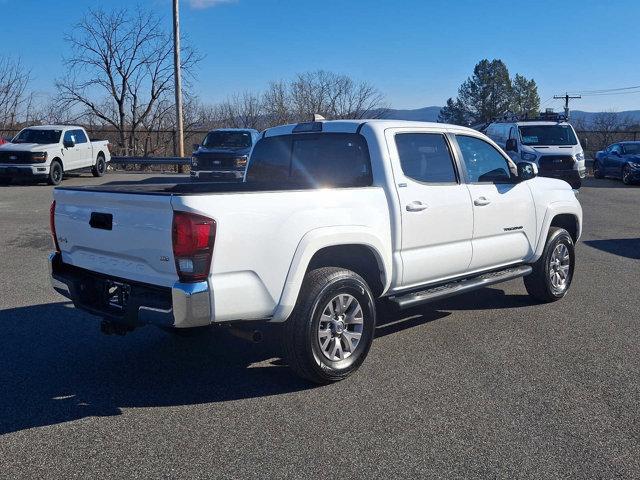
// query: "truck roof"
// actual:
[[540, 123], [54, 127], [352, 126]]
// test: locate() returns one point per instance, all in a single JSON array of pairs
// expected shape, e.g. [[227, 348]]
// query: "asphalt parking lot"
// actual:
[[486, 385]]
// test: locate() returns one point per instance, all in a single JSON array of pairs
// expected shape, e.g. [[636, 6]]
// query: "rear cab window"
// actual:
[[312, 160]]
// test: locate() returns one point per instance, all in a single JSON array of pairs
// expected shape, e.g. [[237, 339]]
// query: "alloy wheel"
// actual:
[[340, 327]]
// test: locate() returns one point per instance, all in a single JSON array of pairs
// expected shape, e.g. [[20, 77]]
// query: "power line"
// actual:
[[610, 93], [606, 90]]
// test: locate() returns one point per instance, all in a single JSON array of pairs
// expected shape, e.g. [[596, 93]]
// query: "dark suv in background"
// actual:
[[223, 154]]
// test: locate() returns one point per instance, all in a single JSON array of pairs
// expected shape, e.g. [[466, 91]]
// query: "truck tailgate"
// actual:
[[122, 235]]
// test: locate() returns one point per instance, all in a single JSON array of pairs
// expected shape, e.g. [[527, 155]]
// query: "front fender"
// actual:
[[554, 209], [320, 238]]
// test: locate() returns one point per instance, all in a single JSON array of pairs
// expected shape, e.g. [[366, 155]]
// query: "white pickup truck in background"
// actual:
[[46, 152], [331, 217]]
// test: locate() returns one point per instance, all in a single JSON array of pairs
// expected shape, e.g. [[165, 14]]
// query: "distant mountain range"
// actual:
[[430, 114]]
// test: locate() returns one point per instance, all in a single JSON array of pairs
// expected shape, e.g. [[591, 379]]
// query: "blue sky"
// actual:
[[417, 52]]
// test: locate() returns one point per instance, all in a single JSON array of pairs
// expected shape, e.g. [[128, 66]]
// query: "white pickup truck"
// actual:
[[46, 152], [331, 217]]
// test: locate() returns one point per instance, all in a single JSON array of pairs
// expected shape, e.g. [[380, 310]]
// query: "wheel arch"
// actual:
[[355, 248], [59, 160], [560, 214]]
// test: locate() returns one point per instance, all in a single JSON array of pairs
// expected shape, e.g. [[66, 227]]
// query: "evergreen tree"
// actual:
[[525, 99], [487, 93], [453, 112]]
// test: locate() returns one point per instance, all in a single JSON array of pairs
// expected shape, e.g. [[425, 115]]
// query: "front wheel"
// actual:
[[329, 333], [55, 173], [553, 272], [597, 170]]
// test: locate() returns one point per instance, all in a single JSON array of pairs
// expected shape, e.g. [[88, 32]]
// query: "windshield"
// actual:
[[33, 135], [227, 140], [548, 135], [632, 148]]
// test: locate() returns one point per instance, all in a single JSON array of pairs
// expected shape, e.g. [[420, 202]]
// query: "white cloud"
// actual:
[[202, 4]]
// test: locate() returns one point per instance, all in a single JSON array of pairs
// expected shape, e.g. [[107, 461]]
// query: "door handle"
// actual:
[[481, 201], [416, 206]]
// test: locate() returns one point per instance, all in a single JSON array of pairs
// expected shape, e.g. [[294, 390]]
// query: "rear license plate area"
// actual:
[[116, 294]]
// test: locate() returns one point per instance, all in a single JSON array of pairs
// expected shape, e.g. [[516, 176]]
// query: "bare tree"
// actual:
[[276, 104], [607, 127], [120, 73], [334, 96], [242, 111], [15, 101]]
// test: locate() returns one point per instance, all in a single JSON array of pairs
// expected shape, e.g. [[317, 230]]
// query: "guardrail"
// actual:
[[151, 160]]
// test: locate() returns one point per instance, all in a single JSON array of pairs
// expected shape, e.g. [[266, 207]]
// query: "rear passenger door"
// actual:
[[504, 216], [437, 219], [83, 146]]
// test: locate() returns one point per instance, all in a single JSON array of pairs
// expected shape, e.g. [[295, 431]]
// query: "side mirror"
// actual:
[[512, 145], [616, 153], [527, 170], [196, 146], [69, 144]]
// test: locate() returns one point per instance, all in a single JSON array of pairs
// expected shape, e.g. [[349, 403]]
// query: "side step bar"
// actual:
[[461, 286]]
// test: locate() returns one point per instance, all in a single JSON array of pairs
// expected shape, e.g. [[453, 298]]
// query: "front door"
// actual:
[[437, 219], [504, 227], [72, 155]]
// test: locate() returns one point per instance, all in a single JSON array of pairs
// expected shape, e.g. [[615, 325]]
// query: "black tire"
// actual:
[[302, 347], [597, 172], [626, 175], [55, 173], [539, 283], [100, 168]]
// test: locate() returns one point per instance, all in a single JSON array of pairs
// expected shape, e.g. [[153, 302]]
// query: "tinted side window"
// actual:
[[312, 160], [425, 157], [80, 136], [484, 163], [616, 149], [330, 159], [270, 160], [69, 136]]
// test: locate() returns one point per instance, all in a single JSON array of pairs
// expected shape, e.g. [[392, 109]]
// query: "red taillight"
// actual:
[[52, 225], [193, 237]]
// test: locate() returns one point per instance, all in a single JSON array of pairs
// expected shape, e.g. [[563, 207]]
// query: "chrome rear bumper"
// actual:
[[183, 305]]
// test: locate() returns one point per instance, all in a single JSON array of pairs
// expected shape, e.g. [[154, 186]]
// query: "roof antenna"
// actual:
[[317, 118]]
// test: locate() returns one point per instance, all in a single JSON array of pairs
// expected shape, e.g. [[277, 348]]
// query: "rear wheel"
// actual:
[[329, 333], [553, 272], [626, 175], [597, 170], [100, 168], [55, 173]]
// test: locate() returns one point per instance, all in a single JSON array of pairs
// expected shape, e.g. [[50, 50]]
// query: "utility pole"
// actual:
[[178, 81], [566, 97]]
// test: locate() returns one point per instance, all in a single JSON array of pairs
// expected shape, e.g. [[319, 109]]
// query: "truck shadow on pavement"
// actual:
[[623, 247], [57, 367]]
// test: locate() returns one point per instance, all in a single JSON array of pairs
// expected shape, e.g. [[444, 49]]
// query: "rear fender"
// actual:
[[320, 238]]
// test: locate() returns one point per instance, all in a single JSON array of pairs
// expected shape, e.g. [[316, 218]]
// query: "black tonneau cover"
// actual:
[[195, 188]]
